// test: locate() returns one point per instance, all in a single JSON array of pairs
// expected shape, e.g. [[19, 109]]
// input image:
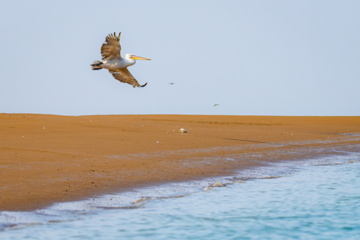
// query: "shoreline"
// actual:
[[139, 197], [47, 159]]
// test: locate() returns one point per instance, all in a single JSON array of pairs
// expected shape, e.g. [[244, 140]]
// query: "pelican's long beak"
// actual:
[[139, 58]]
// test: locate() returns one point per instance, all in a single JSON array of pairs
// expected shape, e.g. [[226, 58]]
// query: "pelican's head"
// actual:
[[133, 57]]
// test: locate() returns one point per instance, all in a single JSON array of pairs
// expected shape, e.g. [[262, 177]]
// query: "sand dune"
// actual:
[[47, 158]]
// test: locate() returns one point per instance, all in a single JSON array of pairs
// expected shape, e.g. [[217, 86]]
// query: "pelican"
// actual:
[[112, 60]]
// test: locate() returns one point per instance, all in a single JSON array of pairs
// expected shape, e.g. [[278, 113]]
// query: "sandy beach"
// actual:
[[47, 158]]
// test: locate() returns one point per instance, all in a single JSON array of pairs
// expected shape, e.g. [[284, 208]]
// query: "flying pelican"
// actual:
[[112, 60]]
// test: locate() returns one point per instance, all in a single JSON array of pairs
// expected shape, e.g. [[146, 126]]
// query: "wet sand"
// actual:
[[48, 158]]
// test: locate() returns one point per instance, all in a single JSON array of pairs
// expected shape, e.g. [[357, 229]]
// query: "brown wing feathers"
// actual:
[[125, 76], [111, 47]]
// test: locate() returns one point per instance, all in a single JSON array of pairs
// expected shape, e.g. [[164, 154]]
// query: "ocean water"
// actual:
[[309, 199]]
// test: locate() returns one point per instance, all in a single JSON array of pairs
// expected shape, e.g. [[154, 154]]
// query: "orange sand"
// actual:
[[47, 158]]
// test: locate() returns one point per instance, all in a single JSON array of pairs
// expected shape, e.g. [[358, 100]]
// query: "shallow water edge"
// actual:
[[68, 211]]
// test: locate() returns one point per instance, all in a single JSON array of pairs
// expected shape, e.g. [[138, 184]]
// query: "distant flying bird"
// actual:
[[216, 104], [171, 83], [112, 60]]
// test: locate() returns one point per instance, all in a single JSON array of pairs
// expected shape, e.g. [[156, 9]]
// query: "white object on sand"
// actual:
[[183, 130]]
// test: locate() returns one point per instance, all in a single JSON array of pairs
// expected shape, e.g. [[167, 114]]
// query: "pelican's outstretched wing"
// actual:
[[123, 75], [111, 47]]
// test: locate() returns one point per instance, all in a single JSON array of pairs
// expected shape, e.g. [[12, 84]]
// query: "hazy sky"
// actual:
[[250, 57]]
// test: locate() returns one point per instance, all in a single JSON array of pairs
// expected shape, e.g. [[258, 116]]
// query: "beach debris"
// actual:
[[271, 177], [211, 186], [239, 181], [182, 130], [139, 200], [219, 184]]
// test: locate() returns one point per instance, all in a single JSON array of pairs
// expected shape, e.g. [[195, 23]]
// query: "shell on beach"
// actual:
[[182, 130]]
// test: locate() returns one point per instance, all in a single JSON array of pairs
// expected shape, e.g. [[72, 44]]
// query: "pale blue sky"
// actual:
[[251, 57]]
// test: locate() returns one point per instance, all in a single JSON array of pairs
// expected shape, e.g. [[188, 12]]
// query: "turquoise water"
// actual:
[[312, 199]]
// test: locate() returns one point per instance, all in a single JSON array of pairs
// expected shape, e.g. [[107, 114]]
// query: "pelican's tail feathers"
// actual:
[[96, 65]]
